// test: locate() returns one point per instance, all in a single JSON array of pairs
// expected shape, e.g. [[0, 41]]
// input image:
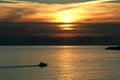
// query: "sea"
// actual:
[[64, 63]]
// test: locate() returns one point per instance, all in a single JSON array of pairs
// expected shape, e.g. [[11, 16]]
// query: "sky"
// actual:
[[85, 11], [60, 18]]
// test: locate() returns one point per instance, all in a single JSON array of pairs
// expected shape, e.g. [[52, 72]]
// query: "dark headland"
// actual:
[[113, 48]]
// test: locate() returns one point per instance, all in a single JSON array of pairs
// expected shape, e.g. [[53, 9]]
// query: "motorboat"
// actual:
[[41, 64]]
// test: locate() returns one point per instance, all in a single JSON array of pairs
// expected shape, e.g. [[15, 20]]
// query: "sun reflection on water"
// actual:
[[67, 68], [75, 65]]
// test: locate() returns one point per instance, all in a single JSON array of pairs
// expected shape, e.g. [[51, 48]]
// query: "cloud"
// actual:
[[58, 1], [96, 11], [12, 1], [47, 1], [100, 1]]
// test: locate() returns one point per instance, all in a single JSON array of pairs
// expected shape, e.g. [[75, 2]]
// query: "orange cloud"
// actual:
[[83, 12]]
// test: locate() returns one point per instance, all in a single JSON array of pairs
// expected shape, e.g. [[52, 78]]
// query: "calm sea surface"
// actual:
[[64, 63]]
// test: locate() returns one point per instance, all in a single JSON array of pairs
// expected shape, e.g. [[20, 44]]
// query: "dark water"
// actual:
[[64, 63]]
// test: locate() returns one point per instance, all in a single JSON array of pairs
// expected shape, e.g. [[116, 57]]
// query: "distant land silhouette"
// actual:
[[32, 40]]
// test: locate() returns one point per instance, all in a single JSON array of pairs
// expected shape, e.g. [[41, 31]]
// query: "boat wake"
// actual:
[[41, 65]]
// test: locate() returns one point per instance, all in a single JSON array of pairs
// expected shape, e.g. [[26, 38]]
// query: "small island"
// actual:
[[113, 48]]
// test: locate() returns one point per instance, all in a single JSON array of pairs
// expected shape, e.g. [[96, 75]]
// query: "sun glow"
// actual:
[[67, 26], [67, 19]]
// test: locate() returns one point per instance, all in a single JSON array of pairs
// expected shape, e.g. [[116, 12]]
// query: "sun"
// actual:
[[67, 19], [66, 22]]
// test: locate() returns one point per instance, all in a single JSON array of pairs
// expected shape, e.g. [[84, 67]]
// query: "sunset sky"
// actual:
[[60, 18]]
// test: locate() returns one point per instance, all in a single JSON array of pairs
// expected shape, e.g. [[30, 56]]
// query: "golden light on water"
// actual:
[[77, 67], [66, 64]]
